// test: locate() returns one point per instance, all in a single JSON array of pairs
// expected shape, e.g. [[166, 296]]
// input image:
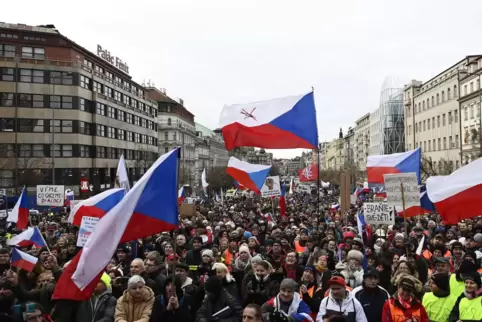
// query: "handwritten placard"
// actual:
[[411, 190]]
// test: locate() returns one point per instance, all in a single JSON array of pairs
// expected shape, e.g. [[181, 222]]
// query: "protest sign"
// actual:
[[411, 190], [49, 195], [378, 213], [87, 226], [271, 187]]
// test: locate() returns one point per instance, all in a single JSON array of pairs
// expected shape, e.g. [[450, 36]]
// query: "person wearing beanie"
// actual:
[[101, 305], [287, 303], [194, 257], [205, 269], [216, 300], [457, 284], [310, 292], [172, 305], [469, 305], [353, 271], [457, 254], [371, 296], [440, 302]]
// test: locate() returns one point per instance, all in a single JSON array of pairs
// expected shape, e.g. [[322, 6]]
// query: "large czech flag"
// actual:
[[282, 123], [458, 196], [378, 165], [426, 206], [148, 208], [96, 206], [249, 175]]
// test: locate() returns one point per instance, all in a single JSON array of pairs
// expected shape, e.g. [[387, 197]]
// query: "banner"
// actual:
[[393, 188], [378, 213], [87, 227], [49, 195], [310, 173], [271, 187]]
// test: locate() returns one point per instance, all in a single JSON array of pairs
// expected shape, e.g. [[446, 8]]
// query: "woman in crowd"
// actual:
[[135, 305], [468, 307]]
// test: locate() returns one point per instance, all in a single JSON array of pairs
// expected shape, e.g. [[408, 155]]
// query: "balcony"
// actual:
[[408, 103]]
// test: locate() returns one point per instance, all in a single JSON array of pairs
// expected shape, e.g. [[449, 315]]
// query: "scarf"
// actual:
[[240, 264], [473, 295], [291, 272], [406, 304]]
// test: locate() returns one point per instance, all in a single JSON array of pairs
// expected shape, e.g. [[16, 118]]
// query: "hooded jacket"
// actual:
[[98, 308], [298, 309], [128, 310], [349, 306], [260, 291], [160, 311], [372, 301]]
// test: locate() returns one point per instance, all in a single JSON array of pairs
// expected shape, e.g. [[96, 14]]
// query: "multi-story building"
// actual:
[[387, 122], [321, 147], [259, 156], [433, 119], [292, 166], [67, 114], [362, 141], [176, 128], [334, 156], [470, 109], [349, 149]]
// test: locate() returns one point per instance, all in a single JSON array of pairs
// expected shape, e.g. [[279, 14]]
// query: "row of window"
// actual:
[[73, 126], [38, 76], [469, 88], [436, 145], [74, 151], [73, 102], [426, 125], [435, 100]]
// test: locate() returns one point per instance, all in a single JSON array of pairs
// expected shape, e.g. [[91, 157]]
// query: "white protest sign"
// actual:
[[48, 195], [378, 213], [353, 199], [87, 226], [411, 191], [271, 187]]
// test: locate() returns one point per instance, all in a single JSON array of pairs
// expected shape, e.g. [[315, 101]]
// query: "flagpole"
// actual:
[[318, 166], [45, 242], [404, 214], [174, 234]]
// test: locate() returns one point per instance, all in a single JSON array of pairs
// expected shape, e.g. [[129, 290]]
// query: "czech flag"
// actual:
[[19, 213], [282, 201], [96, 206], [239, 186], [426, 206], [378, 165], [282, 123], [458, 196], [23, 260], [249, 175], [69, 196], [181, 195], [335, 207], [148, 208], [31, 236]]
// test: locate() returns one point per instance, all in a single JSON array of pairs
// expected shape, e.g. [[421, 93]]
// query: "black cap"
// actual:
[[457, 245], [183, 266], [442, 260], [371, 272], [407, 284]]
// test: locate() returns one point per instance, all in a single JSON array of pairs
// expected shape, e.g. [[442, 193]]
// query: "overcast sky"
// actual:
[[212, 53]]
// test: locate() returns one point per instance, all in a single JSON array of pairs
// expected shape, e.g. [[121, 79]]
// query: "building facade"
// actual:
[[334, 155], [387, 122], [176, 128], [292, 166], [434, 121], [362, 141], [470, 99], [67, 114], [349, 149], [259, 156]]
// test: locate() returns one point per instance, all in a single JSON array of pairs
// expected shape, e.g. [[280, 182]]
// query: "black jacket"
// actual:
[[211, 306], [372, 301], [159, 280], [159, 309], [258, 292], [100, 309]]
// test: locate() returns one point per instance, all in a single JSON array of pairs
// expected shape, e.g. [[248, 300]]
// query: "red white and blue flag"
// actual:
[[19, 213], [249, 175], [426, 206], [69, 196], [96, 206], [31, 236], [378, 165], [282, 123], [148, 208], [23, 260], [181, 195], [282, 201]]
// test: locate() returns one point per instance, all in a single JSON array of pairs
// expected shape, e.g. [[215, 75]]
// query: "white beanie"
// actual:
[[355, 254], [399, 235], [244, 248], [207, 252]]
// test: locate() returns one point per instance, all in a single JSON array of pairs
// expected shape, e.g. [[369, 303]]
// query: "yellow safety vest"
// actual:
[[456, 287], [470, 309], [438, 308], [193, 267]]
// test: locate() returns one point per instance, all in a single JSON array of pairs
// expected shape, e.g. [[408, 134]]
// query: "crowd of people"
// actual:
[[229, 263]]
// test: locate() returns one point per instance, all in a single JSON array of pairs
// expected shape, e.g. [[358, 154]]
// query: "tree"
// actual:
[[427, 168], [332, 176], [218, 178], [185, 175], [274, 171]]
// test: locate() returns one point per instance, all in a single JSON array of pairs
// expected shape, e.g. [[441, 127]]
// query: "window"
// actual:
[[439, 141], [466, 113], [117, 96], [438, 99], [99, 69], [448, 94], [445, 143], [428, 124], [424, 128], [471, 87], [100, 109], [82, 104], [456, 116], [98, 87], [134, 103], [428, 103], [85, 82], [457, 141], [465, 89], [109, 76], [438, 121], [88, 63], [433, 101], [166, 149], [31, 76], [455, 91], [166, 136], [101, 152], [7, 125], [84, 151], [67, 126], [111, 112], [62, 78], [6, 99], [423, 106], [7, 74], [478, 83], [121, 115], [130, 136], [443, 96], [450, 117], [111, 132], [27, 125], [429, 146], [109, 92], [129, 118], [121, 134], [67, 150], [425, 146], [471, 111], [84, 128], [450, 142], [7, 50], [38, 151], [100, 130], [137, 138], [126, 99], [25, 150], [25, 100], [143, 123], [443, 119], [457, 164], [433, 144], [64, 102], [416, 127]]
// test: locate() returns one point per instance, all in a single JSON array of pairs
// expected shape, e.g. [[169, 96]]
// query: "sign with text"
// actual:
[[49, 195], [113, 60], [378, 213], [87, 226], [411, 191], [271, 187]]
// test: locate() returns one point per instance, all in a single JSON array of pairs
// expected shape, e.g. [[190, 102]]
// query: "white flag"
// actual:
[[203, 179], [122, 178]]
